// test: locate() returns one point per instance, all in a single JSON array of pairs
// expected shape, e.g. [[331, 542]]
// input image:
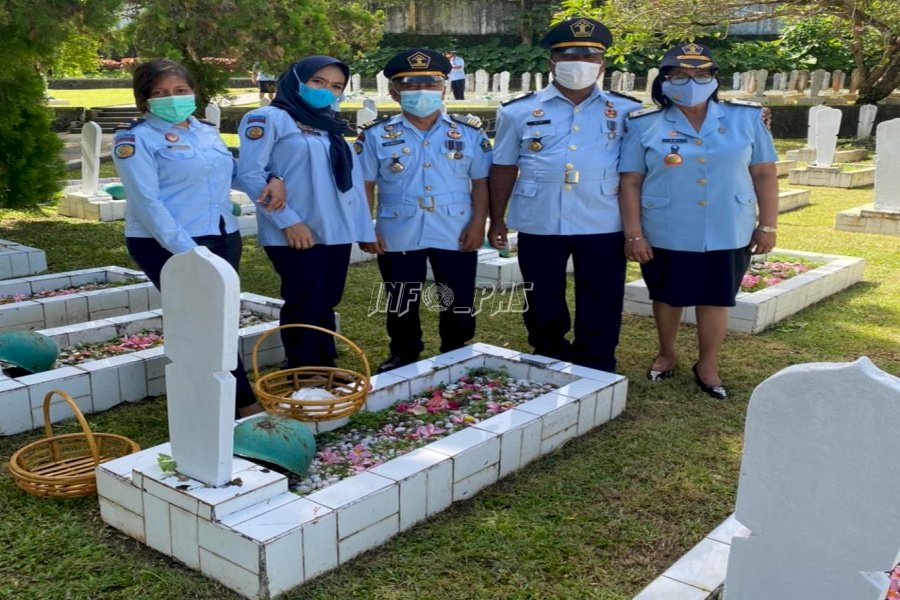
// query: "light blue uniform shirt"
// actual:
[[272, 142], [567, 157], [697, 192], [177, 181], [426, 201]]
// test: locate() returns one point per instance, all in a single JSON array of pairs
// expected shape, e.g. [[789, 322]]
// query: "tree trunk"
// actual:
[[411, 16], [525, 26], [880, 81]]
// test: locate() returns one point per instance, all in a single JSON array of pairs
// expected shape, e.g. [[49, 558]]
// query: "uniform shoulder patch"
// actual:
[[469, 120], [522, 97], [745, 103], [621, 95], [369, 124], [129, 125], [644, 112]]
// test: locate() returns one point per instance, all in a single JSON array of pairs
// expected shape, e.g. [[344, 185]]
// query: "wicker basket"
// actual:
[[349, 388], [63, 466]]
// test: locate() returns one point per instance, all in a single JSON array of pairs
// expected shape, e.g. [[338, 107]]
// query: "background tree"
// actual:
[[214, 38], [868, 29], [31, 33]]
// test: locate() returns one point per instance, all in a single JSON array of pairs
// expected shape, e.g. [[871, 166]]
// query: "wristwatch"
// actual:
[[767, 229]]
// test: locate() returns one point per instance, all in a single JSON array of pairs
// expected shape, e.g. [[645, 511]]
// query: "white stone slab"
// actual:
[[887, 161]]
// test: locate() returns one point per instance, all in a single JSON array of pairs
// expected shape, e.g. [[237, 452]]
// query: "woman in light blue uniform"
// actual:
[[695, 172], [309, 239], [177, 175]]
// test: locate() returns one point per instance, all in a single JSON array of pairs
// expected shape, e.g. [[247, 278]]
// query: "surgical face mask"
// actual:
[[317, 97], [421, 103], [576, 74], [172, 109], [690, 93]]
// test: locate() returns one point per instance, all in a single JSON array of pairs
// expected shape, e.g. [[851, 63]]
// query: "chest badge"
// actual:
[[454, 134], [611, 113], [391, 134], [406, 151], [537, 112], [673, 159], [721, 130], [172, 137], [396, 165]]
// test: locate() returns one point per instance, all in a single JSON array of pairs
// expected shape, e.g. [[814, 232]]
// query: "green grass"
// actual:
[[597, 519]]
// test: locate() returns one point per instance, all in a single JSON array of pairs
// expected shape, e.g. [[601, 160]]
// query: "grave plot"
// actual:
[[847, 176], [840, 156], [97, 385], [45, 301], [792, 199], [758, 310], [260, 540], [17, 260]]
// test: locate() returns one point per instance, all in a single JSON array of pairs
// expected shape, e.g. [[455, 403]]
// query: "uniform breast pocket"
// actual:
[[176, 153], [461, 164], [526, 189], [460, 210], [535, 141], [393, 165], [745, 198], [396, 211]]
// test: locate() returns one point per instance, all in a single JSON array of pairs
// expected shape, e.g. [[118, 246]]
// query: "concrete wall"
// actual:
[[453, 16]]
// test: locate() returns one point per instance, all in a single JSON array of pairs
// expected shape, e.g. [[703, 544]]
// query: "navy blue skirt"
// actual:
[[681, 278]]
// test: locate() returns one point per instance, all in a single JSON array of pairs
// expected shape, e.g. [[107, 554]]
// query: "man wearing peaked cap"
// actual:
[[431, 171], [555, 159]]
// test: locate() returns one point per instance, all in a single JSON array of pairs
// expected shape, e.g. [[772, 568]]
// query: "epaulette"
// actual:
[[372, 123], [746, 103], [522, 97], [644, 112], [130, 125], [621, 95], [469, 120], [205, 122]]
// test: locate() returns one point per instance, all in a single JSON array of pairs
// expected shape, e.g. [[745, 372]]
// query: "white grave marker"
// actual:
[[538, 81], [213, 114], [201, 331], [867, 114], [652, 74], [382, 84], [818, 486], [811, 125], [736, 80], [91, 138], [526, 82], [482, 81], [628, 82], [470, 83], [355, 83], [828, 123], [792, 80], [817, 82], [504, 83], [887, 160], [365, 114], [495, 83]]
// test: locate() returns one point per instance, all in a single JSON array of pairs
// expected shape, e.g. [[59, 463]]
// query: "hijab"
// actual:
[[287, 97]]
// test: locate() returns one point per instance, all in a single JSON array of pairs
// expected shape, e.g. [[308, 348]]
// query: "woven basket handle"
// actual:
[[354, 347], [48, 428]]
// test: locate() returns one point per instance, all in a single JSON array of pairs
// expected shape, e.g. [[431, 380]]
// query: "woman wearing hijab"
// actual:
[[309, 239], [698, 194]]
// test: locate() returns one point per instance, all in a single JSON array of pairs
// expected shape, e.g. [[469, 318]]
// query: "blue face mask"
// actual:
[[172, 109], [691, 93], [317, 97], [421, 103]]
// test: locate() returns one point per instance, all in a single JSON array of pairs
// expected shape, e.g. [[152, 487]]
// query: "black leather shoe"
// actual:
[[394, 362], [715, 391], [654, 375]]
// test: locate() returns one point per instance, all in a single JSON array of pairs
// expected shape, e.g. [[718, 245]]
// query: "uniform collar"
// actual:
[[680, 123], [400, 119], [551, 91], [161, 125]]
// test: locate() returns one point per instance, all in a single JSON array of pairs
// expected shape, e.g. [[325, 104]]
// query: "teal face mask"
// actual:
[[172, 109], [421, 103], [317, 97]]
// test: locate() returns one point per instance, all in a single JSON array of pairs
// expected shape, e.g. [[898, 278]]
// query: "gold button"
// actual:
[[573, 147], [536, 134], [570, 166], [576, 128], [649, 205], [568, 188], [577, 109], [701, 181], [699, 142], [702, 203], [701, 160], [427, 187], [426, 165], [426, 143]]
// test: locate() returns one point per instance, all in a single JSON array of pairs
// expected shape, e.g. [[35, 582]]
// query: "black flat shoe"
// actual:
[[394, 362], [715, 391], [654, 375]]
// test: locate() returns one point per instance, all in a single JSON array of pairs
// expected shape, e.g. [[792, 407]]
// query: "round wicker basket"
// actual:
[[348, 387], [63, 466]]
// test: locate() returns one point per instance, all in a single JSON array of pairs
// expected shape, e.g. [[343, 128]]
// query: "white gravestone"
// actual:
[[828, 123], [817, 82], [761, 76], [495, 83], [91, 138], [365, 114], [887, 166], [615, 81], [837, 81], [482, 81], [867, 114], [652, 74], [504, 83], [201, 331], [628, 82], [526, 83], [792, 80], [382, 83], [736, 80], [470, 83], [777, 81], [811, 125], [355, 83], [826, 80], [818, 486], [802, 80], [213, 114], [538, 81]]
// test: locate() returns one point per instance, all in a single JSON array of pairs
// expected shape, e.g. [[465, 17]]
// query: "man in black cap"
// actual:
[[431, 172], [562, 143]]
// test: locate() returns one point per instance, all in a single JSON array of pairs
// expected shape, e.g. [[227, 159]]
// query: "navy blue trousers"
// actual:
[[151, 256], [453, 294], [312, 283], [599, 262]]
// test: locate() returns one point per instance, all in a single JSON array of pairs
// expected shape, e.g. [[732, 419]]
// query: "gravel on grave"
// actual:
[[371, 439]]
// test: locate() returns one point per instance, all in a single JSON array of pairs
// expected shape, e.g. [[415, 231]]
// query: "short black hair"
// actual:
[[661, 99], [146, 74]]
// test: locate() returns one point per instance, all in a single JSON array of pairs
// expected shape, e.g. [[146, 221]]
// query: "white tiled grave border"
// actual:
[[832, 177], [756, 311], [840, 156], [17, 260], [55, 311], [261, 540], [98, 385], [700, 573]]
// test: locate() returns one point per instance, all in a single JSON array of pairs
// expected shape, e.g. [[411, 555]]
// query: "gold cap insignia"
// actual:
[[693, 49], [419, 60], [582, 28]]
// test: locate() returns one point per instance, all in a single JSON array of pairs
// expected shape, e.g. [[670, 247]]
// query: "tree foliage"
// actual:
[[855, 25], [213, 37]]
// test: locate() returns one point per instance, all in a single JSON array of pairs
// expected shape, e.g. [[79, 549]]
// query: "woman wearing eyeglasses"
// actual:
[[698, 194]]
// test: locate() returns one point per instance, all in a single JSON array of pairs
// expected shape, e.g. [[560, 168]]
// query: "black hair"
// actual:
[[661, 99], [146, 74]]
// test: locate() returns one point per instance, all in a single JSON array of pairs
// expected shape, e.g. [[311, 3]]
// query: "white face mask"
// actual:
[[576, 74]]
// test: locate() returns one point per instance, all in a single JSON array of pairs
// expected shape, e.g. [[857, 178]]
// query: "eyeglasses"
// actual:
[[701, 78]]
